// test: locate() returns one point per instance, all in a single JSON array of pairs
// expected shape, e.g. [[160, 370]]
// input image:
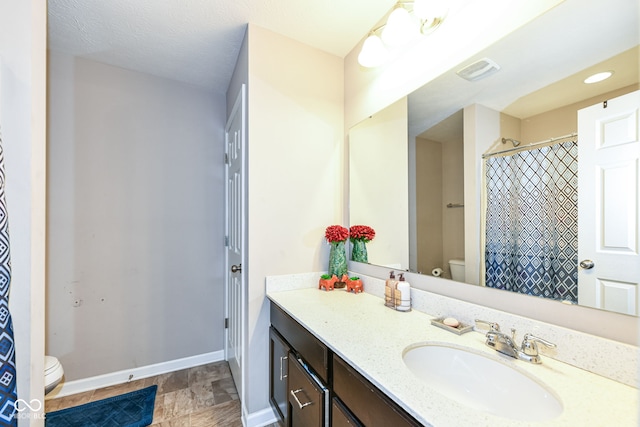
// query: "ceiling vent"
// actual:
[[479, 70]]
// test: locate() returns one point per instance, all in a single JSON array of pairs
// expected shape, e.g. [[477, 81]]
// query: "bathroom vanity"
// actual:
[[312, 386], [354, 346]]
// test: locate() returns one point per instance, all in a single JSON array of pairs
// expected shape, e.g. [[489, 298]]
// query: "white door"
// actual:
[[234, 241], [608, 183]]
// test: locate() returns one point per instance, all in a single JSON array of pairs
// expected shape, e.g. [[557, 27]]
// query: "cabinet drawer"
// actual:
[[305, 344], [372, 407], [307, 398], [341, 417]]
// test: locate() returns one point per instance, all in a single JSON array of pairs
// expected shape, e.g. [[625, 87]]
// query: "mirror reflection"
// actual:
[[433, 216]]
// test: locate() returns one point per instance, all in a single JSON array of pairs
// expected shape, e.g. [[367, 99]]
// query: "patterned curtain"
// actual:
[[8, 393], [532, 222]]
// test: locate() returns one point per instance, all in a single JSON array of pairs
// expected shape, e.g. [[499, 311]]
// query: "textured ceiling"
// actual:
[[197, 41]]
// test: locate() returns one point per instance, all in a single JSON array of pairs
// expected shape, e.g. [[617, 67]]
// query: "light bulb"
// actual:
[[400, 29], [373, 52]]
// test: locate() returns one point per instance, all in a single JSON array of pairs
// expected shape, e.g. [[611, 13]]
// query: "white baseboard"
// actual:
[[259, 418], [105, 380]]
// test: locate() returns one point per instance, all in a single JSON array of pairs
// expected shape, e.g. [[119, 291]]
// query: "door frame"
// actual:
[[239, 107]]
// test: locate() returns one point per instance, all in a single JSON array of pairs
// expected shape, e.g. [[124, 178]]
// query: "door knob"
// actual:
[[587, 264], [236, 268]]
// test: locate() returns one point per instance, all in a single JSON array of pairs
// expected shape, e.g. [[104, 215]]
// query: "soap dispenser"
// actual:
[[404, 291], [390, 290]]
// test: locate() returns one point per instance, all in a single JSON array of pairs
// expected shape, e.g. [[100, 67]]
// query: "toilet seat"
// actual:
[[53, 373]]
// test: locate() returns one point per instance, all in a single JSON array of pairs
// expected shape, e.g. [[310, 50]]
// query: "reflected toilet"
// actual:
[[457, 269]]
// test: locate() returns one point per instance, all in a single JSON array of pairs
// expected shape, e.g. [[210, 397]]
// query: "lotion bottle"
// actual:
[[404, 289]]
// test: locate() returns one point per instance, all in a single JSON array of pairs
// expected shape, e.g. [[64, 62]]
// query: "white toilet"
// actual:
[[53, 373], [457, 269]]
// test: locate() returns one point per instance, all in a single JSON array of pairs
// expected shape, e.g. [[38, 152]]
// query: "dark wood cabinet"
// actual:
[[365, 401], [307, 397], [349, 400], [341, 416], [278, 359], [312, 350]]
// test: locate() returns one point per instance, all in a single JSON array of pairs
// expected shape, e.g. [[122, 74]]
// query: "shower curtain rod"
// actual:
[[533, 144]]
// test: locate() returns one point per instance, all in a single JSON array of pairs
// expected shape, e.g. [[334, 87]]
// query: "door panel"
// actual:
[[608, 184], [234, 240]]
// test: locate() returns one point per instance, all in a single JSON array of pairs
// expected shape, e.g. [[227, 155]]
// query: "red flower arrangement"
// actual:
[[362, 232], [336, 233]]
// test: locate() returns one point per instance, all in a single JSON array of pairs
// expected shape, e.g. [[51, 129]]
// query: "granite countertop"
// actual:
[[372, 338]]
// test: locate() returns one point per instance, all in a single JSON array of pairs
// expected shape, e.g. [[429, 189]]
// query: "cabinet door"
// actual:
[[278, 356], [306, 397]]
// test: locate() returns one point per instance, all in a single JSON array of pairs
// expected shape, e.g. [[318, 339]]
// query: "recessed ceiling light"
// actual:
[[598, 77]]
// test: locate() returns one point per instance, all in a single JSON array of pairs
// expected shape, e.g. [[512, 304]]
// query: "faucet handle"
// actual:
[[493, 326], [530, 344]]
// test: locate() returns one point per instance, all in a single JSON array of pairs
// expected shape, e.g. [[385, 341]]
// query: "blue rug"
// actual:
[[133, 409]]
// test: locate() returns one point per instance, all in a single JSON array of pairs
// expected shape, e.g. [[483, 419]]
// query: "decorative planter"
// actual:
[[337, 259], [327, 284], [359, 251], [354, 284]]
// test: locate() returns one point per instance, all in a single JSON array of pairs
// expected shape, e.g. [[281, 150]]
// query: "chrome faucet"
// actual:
[[505, 344]]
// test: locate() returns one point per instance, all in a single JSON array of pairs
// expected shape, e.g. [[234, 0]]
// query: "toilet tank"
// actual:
[[457, 269]]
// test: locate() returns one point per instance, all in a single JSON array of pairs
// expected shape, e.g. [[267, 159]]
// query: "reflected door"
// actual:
[[608, 183]]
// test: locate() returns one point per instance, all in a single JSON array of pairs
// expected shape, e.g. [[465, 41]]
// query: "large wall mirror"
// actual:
[[429, 213]]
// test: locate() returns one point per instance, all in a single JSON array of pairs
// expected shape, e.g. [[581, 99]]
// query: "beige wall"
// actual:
[[562, 121], [378, 180], [429, 201], [452, 192], [135, 218], [295, 175]]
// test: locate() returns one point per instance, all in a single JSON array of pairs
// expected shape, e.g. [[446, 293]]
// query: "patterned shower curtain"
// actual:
[[532, 222], [8, 392]]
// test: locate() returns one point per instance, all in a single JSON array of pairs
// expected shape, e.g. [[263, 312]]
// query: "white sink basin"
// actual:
[[481, 382]]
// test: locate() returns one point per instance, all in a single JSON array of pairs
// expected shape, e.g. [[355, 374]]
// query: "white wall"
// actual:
[[135, 218], [481, 131], [378, 183], [23, 122], [295, 175]]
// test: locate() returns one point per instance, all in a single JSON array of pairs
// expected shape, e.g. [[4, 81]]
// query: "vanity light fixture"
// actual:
[[598, 77], [407, 22]]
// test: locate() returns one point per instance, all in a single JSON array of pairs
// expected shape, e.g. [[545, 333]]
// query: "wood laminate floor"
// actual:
[[202, 396]]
